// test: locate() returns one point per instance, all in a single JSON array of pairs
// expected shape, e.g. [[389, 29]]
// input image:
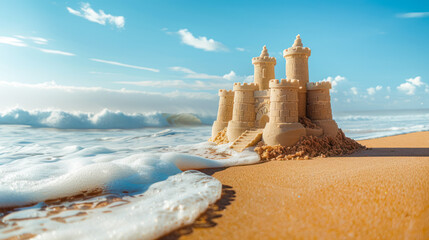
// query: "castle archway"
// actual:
[[263, 121], [262, 115]]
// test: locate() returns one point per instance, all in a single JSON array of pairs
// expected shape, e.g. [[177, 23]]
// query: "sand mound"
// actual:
[[309, 147], [307, 123]]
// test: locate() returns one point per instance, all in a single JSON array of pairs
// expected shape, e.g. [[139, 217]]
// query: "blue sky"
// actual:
[[95, 54]]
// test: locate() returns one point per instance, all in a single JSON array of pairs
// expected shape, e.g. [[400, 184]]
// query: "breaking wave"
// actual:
[[106, 119]]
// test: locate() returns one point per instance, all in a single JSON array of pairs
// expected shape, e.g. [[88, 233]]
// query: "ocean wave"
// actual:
[[389, 117], [364, 134], [106, 119]]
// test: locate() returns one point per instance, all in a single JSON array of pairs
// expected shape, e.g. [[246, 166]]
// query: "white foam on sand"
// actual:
[[160, 196], [165, 206]]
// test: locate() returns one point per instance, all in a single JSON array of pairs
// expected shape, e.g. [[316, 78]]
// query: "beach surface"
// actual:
[[379, 193]]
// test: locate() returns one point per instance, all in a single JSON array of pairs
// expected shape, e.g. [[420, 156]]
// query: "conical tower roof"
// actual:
[[264, 57], [297, 48], [264, 52], [298, 42]]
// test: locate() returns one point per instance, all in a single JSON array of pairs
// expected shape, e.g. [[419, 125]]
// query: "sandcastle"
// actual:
[[273, 110]]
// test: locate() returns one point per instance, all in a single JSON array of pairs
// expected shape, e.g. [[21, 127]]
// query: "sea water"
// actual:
[[362, 125], [147, 168], [139, 167]]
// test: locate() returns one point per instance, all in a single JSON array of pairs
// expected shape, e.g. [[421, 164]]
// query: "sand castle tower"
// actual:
[[224, 113], [297, 68], [283, 127], [243, 114], [319, 107], [264, 69]]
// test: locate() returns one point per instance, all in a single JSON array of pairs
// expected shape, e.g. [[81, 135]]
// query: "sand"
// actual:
[[379, 193]]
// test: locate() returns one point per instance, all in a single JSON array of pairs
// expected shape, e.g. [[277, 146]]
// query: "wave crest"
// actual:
[[106, 119]]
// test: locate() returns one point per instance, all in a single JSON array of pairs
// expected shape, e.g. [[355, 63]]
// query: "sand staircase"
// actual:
[[247, 139]]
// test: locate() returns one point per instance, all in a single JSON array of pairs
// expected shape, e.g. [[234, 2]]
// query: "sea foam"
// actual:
[[148, 168]]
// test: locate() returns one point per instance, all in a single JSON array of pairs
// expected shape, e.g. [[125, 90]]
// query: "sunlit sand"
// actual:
[[380, 193]]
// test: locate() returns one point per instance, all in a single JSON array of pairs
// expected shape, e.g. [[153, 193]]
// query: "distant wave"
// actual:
[[106, 119], [382, 117], [386, 123]]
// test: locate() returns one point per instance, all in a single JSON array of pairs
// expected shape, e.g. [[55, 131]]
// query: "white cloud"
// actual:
[[194, 75], [37, 40], [410, 85], [212, 81], [387, 97], [413, 15], [124, 65], [12, 41], [408, 88], [388, 88], [240, 49], [16, 41], [56, 52], [180, 84], [167, 31], [354, 90], [182, 69], [230, 76], [371, 91], [334, 81], [200, 42], [93, 99], [417, 81], [98, 17], [249, 79]]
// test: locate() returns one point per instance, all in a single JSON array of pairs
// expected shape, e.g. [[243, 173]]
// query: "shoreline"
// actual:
[[382, 191], [399, 134]]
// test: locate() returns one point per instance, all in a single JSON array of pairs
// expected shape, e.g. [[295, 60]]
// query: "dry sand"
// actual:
[[379, 193]]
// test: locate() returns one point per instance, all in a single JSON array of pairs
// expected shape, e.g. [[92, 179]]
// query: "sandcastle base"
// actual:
[[285, 134], [330, 127], [217, 127]]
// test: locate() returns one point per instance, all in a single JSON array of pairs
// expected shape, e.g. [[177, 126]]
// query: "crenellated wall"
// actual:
[[243, 114], [319, 107], [319, 101], [283, 127], [284, 101], [224, 114]]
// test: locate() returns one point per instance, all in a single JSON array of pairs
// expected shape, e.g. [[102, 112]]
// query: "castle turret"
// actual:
[[224, 114], [264, 69], [319, 107], [243, 114], [297, 68], [283, 127]]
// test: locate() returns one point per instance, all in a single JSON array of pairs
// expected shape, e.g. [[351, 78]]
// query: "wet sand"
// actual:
[[379, 193]]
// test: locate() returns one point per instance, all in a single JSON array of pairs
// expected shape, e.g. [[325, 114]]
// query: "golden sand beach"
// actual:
[[379, 193]]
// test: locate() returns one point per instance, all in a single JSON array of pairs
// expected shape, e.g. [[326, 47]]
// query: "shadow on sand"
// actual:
[[206, 220], [392, 152]]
